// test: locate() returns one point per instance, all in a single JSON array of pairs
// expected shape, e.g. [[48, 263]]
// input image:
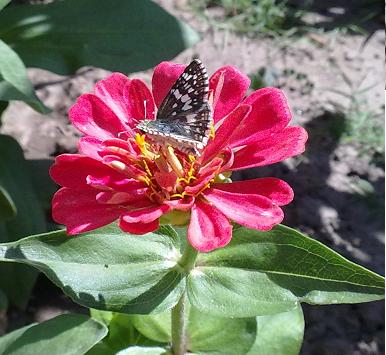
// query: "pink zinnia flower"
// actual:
[[120, 174]]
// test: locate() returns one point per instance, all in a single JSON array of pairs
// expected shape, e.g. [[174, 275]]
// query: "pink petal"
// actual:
[[252, 211], [146, 214], [113, 91], [90, 146], [118, 198], [79, 211], [269, 113], [206, 173], [209, 229], [138, 228], [164, 76], [120, 147], [279, 146], [141, 100], [166, 180], [91, 116], [182, 204], [278, 191], [230, 86], [131, 186], [224, 132], [71, 170]]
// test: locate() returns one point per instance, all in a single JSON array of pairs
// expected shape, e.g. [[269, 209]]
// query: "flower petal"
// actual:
[[209, 229], [113, 91], [164, 76], [79, 211], [141, 100], [252, 211], [269, 113], [138, 228], [279, 146], [278, 191], [91, 116], [182, 204], [71, 170], [230, 86], [146, 214], [133, 187], [224, 132], [90, 146]]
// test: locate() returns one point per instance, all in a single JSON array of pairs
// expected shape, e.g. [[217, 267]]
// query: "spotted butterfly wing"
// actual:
[[184, 117]]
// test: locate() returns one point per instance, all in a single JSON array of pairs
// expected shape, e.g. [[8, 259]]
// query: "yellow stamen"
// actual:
[[182, 195], [173, 161], [147, 168], [192, 158], [212, 131], [143, 146]]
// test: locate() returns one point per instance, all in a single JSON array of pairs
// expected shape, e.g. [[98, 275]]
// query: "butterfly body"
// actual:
[[184, 118]]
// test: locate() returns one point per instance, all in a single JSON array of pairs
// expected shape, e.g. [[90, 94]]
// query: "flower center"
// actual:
[[169, 174]]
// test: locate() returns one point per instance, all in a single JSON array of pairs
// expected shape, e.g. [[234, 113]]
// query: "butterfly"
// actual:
[[184, 117]]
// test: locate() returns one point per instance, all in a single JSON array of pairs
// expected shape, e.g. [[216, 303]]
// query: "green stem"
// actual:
[[179, 312], [179, 326]]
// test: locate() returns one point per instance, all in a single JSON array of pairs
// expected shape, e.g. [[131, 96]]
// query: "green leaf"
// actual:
[[207, 334], [101, 316], [279, 334], [68, 334], [4, 3], [107, 269], [14, 82], [3, 302], [18, 280], [7, 206], [3, 107], [119, 35], [261, 273], [43, 185], [215, 335], [122, 334], [139, 350], [7, 340]]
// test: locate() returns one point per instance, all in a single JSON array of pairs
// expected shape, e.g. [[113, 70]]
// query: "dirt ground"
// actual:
[[339, 191]]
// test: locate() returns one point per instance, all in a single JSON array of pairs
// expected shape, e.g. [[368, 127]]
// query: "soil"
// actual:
[[339, 190]]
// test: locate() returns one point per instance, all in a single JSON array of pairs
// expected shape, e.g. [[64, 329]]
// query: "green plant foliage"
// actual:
[[68, 334], [250, 16], [18, 280], [4, 3], [108, 269], [122, 334], [279, 334], [43, 185], [139, 350], [261, 273], [258, 273], [7, 206], [14, 82], [121, 35], [207, 334]]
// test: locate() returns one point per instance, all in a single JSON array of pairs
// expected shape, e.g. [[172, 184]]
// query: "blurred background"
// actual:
[[327, 56]]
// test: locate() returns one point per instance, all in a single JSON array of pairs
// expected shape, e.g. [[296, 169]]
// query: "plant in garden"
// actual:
[[123, 174], [153, 159]]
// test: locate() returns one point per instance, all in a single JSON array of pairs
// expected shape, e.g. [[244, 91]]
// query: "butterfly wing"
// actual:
[[185, 116], [188, 94]]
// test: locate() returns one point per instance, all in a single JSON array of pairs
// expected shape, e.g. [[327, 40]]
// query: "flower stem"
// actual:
[[179, 312], [179, 326]]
